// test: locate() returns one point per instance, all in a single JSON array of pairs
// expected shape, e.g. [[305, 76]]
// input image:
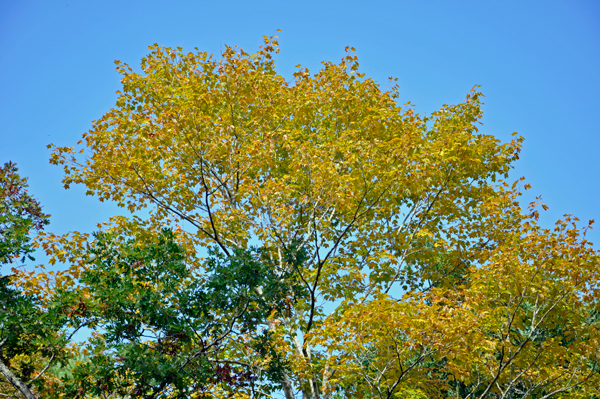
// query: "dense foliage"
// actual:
[[30, 329], [312, 238], [169, 330]]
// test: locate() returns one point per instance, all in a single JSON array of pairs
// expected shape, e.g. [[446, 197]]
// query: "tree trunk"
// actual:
[[15, 382], [287, 386]]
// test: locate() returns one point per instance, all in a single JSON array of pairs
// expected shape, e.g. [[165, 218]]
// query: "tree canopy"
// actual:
[[313, 237], [33, 330]]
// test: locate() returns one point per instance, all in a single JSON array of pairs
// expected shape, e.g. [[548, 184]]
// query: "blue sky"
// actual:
[[538, 64]]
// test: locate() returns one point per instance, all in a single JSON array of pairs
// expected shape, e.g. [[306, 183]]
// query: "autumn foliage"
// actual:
[[316, 238]]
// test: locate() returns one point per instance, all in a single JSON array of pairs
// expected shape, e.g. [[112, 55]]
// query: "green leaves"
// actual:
[[19, 214], [164, 328], [32, 331]]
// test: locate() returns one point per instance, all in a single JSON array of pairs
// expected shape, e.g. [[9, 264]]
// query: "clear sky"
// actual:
[[538, 63]]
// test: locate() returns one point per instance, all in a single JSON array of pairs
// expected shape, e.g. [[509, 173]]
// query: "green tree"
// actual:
[[32, 330], [169, 330], [19, 213]]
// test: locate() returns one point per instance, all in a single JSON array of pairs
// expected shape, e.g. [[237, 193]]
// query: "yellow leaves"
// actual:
[[386, 202], [39, 284], [390, 336], [424, 233], [528, 287], [469, 327]]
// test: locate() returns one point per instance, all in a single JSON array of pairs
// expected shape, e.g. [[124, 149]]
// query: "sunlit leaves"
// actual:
[[33, 328], [19, 214], [420, 274]]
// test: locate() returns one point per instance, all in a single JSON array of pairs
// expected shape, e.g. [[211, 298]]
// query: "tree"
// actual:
[[170, 330], [525, 326], [19, 213], [30, 330], [416, 253]]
